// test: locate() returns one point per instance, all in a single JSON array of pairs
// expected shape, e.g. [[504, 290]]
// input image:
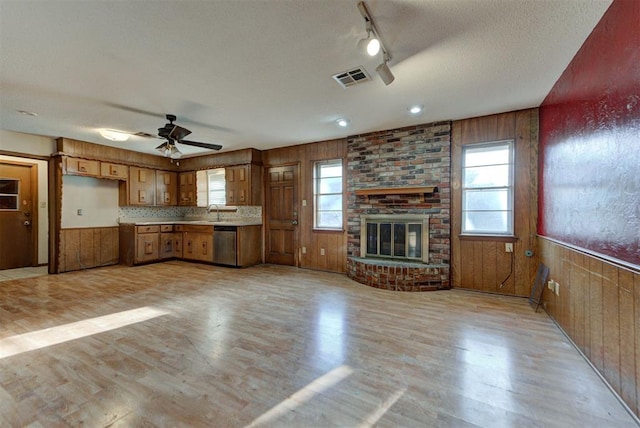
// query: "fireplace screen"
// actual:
[[396, 237]]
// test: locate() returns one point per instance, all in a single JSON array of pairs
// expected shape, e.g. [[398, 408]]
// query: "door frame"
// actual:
[[33, 176], [265, 188]]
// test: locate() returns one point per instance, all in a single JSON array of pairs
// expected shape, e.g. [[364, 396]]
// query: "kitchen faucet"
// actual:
[[209, 209]]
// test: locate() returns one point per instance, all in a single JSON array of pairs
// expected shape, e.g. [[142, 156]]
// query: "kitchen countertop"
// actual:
[[228, 222]]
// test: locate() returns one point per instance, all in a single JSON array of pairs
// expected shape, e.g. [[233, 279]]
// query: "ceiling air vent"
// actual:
[[352, 77]]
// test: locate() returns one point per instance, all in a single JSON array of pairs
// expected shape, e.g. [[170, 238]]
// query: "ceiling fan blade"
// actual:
[[163, 145], [178, 132], [198, 144]]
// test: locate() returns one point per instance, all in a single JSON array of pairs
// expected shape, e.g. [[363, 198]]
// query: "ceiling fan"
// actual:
[[175, 134]]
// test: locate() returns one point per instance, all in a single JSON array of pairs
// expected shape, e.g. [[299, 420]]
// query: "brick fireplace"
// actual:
[[403, 172]]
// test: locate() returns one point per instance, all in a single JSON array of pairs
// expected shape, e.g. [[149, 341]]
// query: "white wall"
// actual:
[[26, 143], [97, 198], [29, 144]]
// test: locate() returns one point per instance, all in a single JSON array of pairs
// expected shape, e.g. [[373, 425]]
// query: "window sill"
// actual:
[[316, 230], [495, 238]]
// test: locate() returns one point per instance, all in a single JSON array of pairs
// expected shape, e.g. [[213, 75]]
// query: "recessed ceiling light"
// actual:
[[27, 113], [417, 109], [114, 135], [343, 122]]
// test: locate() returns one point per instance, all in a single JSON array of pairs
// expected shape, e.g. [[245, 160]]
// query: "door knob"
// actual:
[[294, 222], [27, 223]]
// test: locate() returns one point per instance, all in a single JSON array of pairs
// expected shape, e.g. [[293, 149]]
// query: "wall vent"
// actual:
[[352, 77]]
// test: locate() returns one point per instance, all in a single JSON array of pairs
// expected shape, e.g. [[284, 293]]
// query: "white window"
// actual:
[[487, 188], [327, 193], [211, 187]]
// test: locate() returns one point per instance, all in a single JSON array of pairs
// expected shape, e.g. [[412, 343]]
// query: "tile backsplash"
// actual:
[[165, 213]]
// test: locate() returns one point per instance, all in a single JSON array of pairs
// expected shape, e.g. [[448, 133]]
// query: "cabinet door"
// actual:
[[204, 248], [114, 170], [177, 244], [147, 247], [142, 186], [166, 188], [74, 166], [167, 246], [187, 189]]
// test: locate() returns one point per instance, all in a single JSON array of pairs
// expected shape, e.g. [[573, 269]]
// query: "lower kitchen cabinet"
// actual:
[[151, 243]]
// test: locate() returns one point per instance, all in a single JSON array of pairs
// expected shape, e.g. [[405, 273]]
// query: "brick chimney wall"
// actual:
[[408, 157]]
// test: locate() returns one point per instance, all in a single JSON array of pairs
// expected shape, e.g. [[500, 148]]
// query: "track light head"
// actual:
[[373, 47], [385, 73]]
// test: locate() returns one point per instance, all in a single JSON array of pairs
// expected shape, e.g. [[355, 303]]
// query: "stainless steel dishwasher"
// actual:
[[225, 245]]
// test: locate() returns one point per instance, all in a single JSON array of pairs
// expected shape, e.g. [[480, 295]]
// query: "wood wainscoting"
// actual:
[[481, 263], [83, 248], [598, 307]]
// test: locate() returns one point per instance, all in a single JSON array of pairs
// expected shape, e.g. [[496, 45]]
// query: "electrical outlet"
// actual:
[[322, 251], [557, 286], [304, 250], [508, 247], [550, 285], [80, 212]]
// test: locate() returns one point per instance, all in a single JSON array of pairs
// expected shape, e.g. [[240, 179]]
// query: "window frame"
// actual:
[[510, 188], [317, 165], [204, 190]]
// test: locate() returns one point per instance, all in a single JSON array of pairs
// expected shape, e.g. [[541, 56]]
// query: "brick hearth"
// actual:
[[398, 276]]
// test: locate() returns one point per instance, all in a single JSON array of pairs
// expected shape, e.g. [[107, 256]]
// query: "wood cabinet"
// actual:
[[167, 248], [249, 245], [166, 188], [177, 244], [114, 170], [141, 186], [243, 185], [75, 166], [197, 242], [147, 244], [187, 188]]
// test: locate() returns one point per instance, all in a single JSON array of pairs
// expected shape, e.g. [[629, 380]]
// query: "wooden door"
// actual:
[[18, 215], [281, 215]]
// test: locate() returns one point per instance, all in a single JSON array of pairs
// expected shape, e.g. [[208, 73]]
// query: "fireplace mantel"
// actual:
[[382, 191]]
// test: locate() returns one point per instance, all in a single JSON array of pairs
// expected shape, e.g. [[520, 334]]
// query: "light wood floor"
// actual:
[[180, 344]]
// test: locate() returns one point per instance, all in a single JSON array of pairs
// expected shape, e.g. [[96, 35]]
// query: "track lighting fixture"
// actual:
[[375, 45]]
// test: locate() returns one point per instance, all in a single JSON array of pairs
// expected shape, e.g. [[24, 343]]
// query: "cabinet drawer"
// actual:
[[82, 167], [148, 229], [166, 228], [195, 228], [112, 170]]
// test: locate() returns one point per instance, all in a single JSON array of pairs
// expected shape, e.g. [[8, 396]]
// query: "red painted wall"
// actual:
[[590, 143]]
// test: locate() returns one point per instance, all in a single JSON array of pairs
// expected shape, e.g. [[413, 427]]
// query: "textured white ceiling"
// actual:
[[257, 73]]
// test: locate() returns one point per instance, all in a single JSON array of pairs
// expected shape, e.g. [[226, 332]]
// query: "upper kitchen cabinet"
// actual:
[[187, 188], [114, 170], [243, 185], [75, 166], [166, 188], [141, 186]]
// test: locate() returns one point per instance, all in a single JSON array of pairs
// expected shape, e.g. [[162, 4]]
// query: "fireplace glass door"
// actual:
[[401, 240]]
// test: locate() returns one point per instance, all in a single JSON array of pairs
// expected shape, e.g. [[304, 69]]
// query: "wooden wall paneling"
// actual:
[[478, 281], [219, 160], [313, 241], [71, 251], [87, 150], [627, 318], [636, 305], [87, 248], [461, 254], [489, 263], [611, 308], [594, 312], [55, 211]]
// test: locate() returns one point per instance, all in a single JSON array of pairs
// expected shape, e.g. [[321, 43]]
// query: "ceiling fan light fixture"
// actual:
[[114, 135], [173, 152]]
